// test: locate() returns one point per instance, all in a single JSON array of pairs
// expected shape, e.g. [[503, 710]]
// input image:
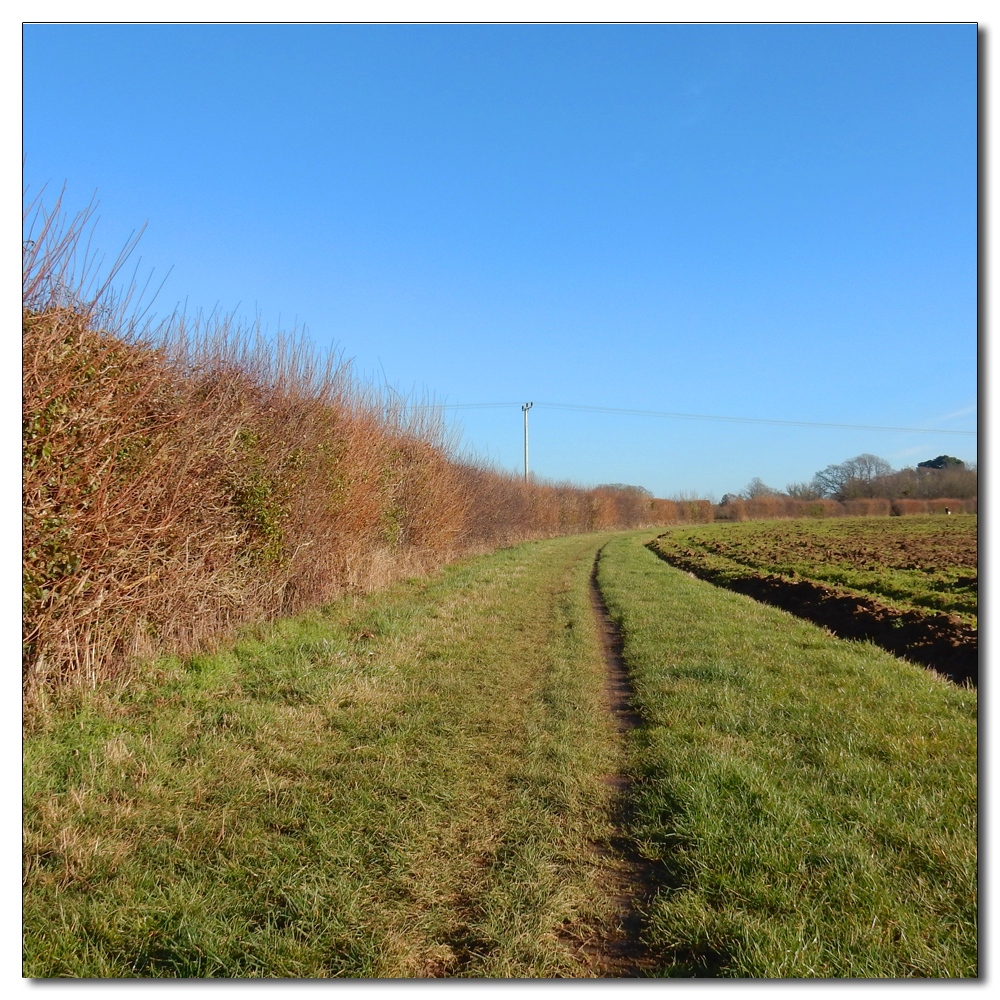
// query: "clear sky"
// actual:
[[760, 221]]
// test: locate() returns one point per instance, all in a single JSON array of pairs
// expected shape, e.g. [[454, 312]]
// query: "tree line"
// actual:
[[867, 477]]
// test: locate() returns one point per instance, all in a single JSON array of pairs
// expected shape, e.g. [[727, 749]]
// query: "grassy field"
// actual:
[[923, 563], [411, 784], [406, 785], [812, 801]]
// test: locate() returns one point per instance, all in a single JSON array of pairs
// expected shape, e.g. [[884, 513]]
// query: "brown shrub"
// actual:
[[766, 508], [694, 511], [663, 512], [902, 508], [180, 482], [773, 508], [876, 507]]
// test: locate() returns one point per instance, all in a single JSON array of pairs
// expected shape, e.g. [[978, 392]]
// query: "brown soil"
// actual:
[[942, 642]]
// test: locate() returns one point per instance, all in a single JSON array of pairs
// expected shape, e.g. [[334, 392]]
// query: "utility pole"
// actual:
[[524, 409]]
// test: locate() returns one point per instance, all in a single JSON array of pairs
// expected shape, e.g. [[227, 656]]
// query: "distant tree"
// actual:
[[728, 498], [802, 491], [757, 488], [858, 477], [625, 488], [868, 475], [829, 482], [951, 481], [868, 469]]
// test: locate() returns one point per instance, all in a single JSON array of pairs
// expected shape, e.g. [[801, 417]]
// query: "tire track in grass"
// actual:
[[406, 784], [813, 799], [401, 785], [621, 953]]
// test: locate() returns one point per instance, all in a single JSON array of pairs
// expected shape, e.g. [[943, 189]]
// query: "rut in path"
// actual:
[[620, 953]]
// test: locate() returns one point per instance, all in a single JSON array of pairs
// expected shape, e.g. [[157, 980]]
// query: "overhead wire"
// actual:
[[699, 416]]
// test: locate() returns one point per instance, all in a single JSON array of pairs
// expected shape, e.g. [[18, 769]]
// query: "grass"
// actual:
[[401, 786], [911, 563], [409, 785], [812, 802]]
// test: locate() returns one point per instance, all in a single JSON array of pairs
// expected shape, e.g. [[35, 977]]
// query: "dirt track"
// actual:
[[620, 954]]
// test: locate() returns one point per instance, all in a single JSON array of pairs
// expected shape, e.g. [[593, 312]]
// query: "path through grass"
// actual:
[[405, 786], [410, 785]]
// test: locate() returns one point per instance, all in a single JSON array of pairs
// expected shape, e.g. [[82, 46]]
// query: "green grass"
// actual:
[[403, 785], [408, 785], [812, 801], [922, 563]]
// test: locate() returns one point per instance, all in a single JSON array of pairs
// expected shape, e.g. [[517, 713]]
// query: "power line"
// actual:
[[698, 416], [461, 406]]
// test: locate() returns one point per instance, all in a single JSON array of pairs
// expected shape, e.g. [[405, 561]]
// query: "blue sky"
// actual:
[[758, 221]]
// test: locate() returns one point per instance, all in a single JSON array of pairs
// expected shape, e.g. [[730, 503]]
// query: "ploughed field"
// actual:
[[909, 584]]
